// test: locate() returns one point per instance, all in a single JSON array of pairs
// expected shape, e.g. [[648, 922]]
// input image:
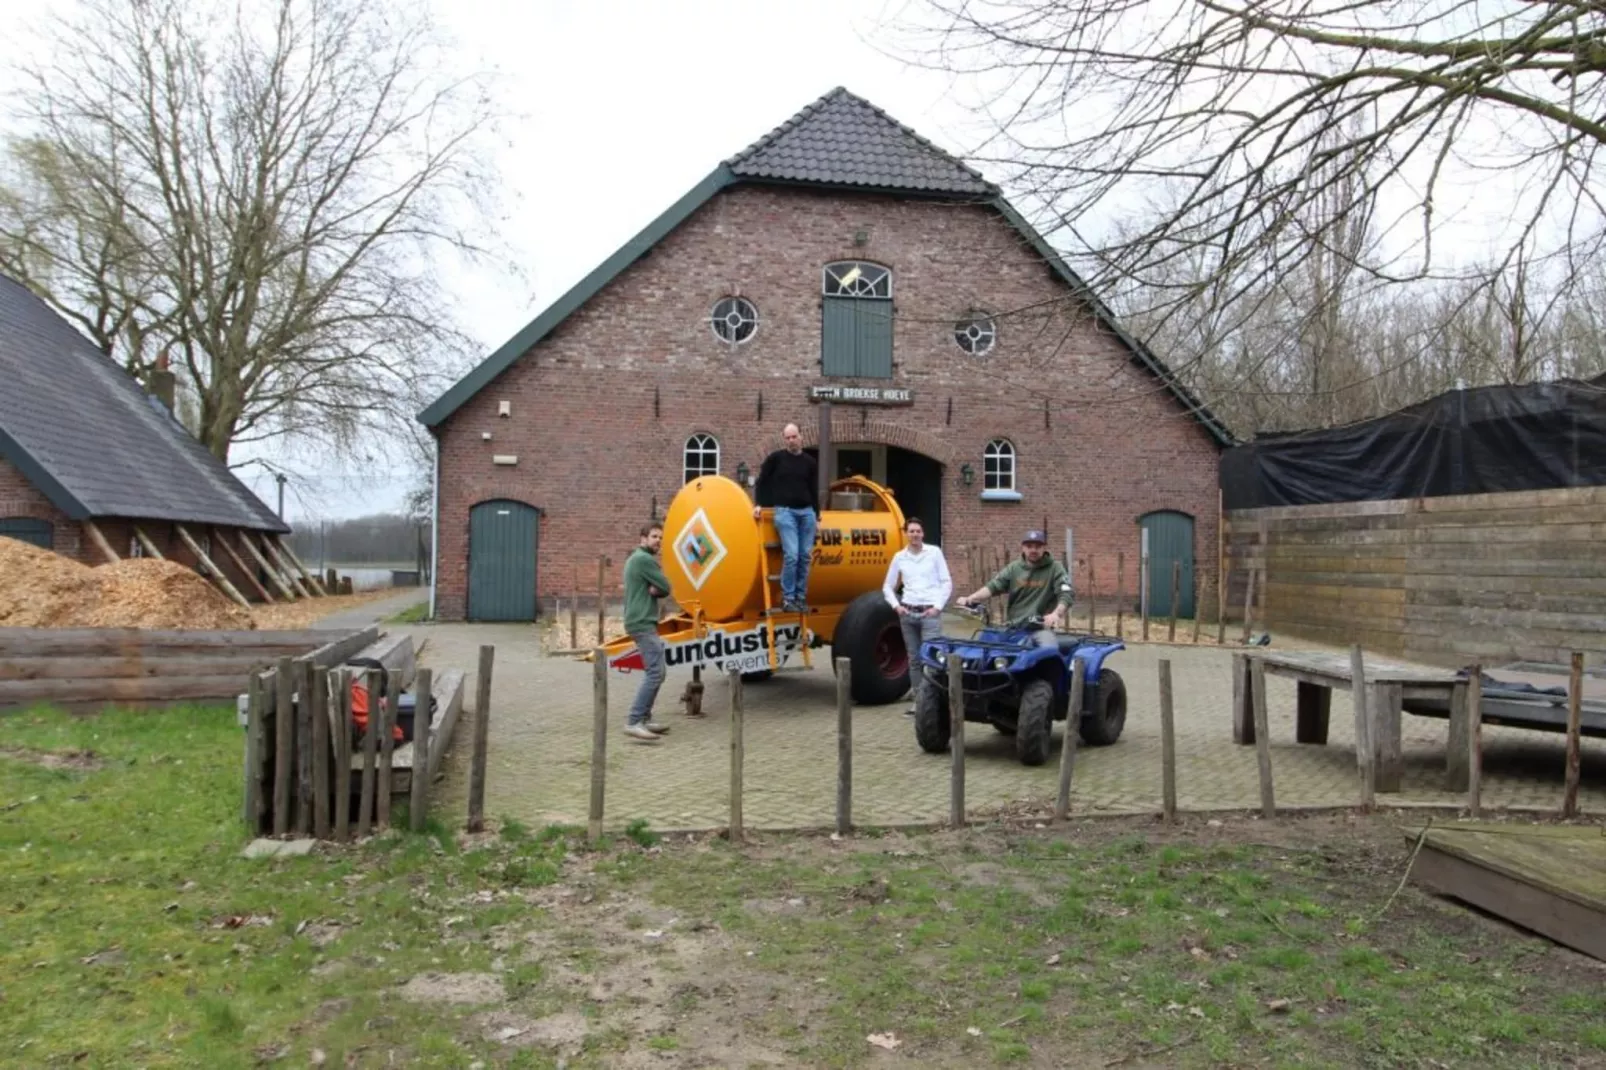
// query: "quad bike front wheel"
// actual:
[[1101, 725], [1035, 725], [932, 721]]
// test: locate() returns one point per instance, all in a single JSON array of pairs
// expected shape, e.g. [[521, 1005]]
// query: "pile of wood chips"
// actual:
[[40, 589]]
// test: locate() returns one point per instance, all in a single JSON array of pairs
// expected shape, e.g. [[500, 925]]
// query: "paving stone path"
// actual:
[[540, 748]]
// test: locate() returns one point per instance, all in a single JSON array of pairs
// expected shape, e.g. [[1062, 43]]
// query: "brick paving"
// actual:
[[540, 747]]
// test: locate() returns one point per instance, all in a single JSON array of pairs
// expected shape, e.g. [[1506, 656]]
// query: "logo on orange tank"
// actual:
[[698, 549]]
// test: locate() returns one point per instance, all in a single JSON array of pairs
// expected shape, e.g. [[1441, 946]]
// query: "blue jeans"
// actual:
[[652, 654], [796, 529], [917, 631]]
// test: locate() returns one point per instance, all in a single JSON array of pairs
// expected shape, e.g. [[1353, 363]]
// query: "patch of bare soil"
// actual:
[[76, 760], [462, 988]]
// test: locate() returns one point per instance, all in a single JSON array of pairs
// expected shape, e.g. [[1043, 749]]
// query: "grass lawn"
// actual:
[[135, 935]]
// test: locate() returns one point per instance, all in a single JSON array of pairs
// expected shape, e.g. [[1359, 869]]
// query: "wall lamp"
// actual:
[[967, 473]]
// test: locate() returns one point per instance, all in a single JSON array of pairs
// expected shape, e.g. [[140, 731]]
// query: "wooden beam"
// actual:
[[109, 642], [220, 539], [145, 542], [101, 544], [284, 549], [284, 569], [273, 573], [211, 567]]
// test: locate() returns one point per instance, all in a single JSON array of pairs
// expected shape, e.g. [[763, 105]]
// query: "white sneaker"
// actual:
[[641, 733]]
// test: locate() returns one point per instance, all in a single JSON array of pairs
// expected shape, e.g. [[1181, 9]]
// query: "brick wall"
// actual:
[[602, 407], [19, 498]]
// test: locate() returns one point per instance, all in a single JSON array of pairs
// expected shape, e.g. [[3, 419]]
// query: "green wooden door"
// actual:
[[502, 539], [40, 533], [856, 337], [1170, 539]]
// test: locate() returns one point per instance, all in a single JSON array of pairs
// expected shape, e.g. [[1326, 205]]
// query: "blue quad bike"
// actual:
[[1020, 688]]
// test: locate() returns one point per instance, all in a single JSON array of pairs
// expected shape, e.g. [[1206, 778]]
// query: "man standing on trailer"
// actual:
[[788, 485], [923, 572], [1037, 586], [645, 583]]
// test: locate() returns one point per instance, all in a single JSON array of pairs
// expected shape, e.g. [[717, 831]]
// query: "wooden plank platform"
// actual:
[[1547, 878], [448, 689]]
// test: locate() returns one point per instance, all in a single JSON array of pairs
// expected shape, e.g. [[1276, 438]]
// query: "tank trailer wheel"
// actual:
[[869, 636], [757, 676], [1034, 728]]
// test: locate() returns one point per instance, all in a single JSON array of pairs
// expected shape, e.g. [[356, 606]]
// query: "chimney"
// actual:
[[160, 382]]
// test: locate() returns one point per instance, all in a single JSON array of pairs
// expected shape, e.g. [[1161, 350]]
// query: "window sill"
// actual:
[[1000, 496]]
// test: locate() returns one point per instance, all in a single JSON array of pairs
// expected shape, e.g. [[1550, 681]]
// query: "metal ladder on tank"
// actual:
[[773, 561]]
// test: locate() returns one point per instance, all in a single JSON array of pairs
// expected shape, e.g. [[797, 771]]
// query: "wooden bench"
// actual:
[[448, 694]]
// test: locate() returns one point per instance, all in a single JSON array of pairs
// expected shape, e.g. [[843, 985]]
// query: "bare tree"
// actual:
[[266, 192]]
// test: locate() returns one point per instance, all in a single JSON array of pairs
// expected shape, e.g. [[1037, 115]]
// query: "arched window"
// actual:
[[701, 457], [998, 465], [856, 339]]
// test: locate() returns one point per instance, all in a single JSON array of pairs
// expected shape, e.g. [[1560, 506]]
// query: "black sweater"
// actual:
[[790, 480]]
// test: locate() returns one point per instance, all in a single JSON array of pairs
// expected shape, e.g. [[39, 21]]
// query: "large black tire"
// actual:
[[933, 726], [1101, 725], [869, 636], [757, 676], [1034, 727]]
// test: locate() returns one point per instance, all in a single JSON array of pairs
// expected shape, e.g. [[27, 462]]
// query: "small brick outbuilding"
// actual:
[[842, 255]]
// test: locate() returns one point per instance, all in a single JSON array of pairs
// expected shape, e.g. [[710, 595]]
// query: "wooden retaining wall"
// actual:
[[88, 668], [1489, 577]]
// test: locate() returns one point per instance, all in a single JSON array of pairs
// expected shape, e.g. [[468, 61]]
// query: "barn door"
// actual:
[[1170, 537], [502, 542], [40, 533]]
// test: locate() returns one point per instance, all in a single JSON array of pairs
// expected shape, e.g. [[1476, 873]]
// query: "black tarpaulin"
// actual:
[[1480, 441]]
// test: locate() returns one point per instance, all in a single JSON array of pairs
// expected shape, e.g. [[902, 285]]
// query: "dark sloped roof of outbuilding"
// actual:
[[82, 431], [841, 141]]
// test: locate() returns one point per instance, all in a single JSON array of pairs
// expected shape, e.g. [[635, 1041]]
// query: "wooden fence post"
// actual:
[[284, 728], [599, 740], [253, 755], [1365, 752], [1575, 703], [1120, 594], [1257, 674], [387, 721], [482, 731], [1249, 604], [1092, 598], [574, 612], [602, 599], [318, 697], [1073, 726], [1168, 746], [1194, 582], [370, 747], [343, 731], [737, 756], [1176, 592], [422, 733], [956, 743], [1475, 740], [844, 744], [303, 790]]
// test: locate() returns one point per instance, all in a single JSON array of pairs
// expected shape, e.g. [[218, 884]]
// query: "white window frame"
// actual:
[[695, 454], [1003, 483]]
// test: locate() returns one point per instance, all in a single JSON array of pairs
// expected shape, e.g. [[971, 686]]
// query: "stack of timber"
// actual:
[[308, 770], [1449, 580], [90, 668]]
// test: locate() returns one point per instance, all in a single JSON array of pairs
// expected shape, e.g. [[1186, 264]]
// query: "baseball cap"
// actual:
[[1035, 536]]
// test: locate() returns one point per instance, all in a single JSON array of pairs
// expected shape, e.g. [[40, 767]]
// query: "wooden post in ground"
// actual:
[[1221, 605], [423, 733], [1257, 674], [99, 539], [211, 567], [844, 745], [284, 547], [146, 544], [273, 574], [1092, 598], [343, 733], [303, 789], [482, 734], [1168, 746], [1365, 751], [1249, 604], [1221, 569], [387, 721], [574, 612], [738, 755], [221, 539], [602, 601], [1475, 740], [1243, 708], [1196, 607], [253, 754], [1120, 594], [1144, 582], [290, 577], [1575, 704], [284, 730], [599, 739], [1176, 593], [318, 698], [1073, 724], [370, 749], [956, 743]]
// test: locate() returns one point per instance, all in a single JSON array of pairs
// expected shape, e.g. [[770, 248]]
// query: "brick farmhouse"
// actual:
[[90, 461], [995, 392]]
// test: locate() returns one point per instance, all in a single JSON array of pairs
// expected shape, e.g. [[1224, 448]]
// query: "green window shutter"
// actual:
[[874, 344], [839, 337]]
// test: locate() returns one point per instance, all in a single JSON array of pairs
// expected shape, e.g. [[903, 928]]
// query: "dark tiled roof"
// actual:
[[91, 440], [845, 140]]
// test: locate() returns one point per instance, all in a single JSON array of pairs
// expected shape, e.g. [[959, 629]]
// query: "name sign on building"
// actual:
[[863, 395]]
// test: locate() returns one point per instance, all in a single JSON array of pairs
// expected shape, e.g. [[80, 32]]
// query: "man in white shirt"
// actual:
[[926, 588]]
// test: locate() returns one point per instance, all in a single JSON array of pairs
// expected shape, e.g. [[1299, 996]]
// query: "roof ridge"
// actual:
[[924, 141], [786, 127]]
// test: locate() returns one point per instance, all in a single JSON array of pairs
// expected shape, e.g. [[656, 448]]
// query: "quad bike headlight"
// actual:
[[1000, 663]]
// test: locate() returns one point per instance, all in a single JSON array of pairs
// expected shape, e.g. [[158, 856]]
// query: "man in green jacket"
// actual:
[[1037, 586], [645, 583]]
